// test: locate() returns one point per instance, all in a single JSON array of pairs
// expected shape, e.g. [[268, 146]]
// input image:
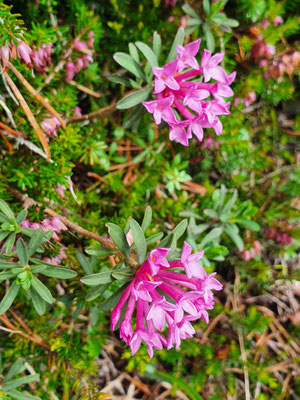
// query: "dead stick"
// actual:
[[28, 202], [101, 113], [11, 131], [29, 115], [84, 89], [36, 95]]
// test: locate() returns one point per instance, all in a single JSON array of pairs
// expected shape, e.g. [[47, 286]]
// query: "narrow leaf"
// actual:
[[154, 238], [139, 241], [234, 236], [119, 238], [127, 62], [147, 218], [124, 274], [42, 290], [21, 216], [113, 299], [156, 44], [6, 210], [96, 292], [119, 79], [21, 381], [22, 252], [134, 98], [133, 52], [9, 297], [189, 11], [86, 265], [178, 41], [38, 303], [59, 272], [97, 279], [100, 251], [9, 243], [17, 367], [148, 53]]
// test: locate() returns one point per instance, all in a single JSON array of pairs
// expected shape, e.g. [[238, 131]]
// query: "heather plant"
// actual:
[[149, 200]]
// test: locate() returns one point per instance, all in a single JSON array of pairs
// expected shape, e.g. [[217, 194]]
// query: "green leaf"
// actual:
[[214, 252], [100, 278], [154, 238], [228, 206], [231, 23], [134, 98], [100, 251], [167, 241], [21, 396], [96, 292], [113, 299], [190, 11], [119, 79], [42, 290], [206, 7], [3, 218], [59, 272], [194, 22], [17, 367], [156, 44], [21, 216], [21, 381], [9, 297], [3, 235], [139, 240], [210, 213], [178, 41], [147, 218], [6, 275], [179, 230], [86, 265], [248, 224], [22, 252], [212, 236], [210, 40], [124, 275], [7, 265], [9, 243], [38, 303], [219, 18], [234, 236], [133, 52], [36, 241], [6, 210], [148, 53], [127, 62], [119, 238]]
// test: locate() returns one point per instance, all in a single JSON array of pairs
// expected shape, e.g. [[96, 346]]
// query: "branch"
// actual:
[[36, 95], [101, 113], [29, 114], [107, 243]]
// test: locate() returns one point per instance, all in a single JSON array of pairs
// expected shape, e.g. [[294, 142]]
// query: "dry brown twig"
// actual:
[[107, 243], [29, 115]]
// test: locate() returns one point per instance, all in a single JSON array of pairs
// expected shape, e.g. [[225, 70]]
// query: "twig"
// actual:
[[36, 95], [84, 89], [9, 146], [29, 115], [101, 113], [28, 202], [31, 146], [11, 131], [276, 172]]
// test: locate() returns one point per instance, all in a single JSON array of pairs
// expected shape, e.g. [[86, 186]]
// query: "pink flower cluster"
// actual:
[[82, 62], [278, 237], [253, 252], [60, 190], [197, 104], [247, 100], [54, 223], [50, 125], [260, 50], [165, 298], [32, 58]]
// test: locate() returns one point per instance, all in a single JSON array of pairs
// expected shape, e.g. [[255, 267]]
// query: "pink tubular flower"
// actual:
[[24, 52], [277, 21], [50, 125], [197, 104], [184, 295], [47, 224]]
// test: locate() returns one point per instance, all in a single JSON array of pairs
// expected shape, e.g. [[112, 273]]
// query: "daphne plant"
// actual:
[[185, 104], [22, 261], [164, 287], [10, 384]]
